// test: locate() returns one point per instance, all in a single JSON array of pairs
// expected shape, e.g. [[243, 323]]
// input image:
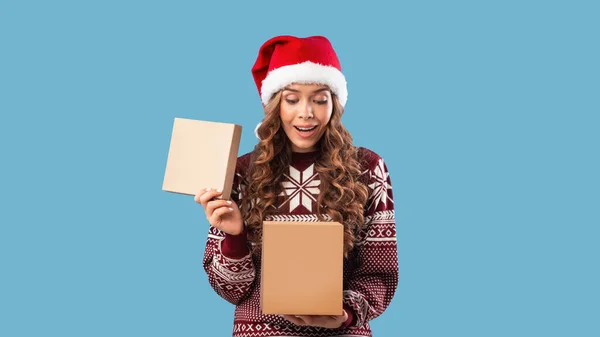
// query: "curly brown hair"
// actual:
[[343, 194]]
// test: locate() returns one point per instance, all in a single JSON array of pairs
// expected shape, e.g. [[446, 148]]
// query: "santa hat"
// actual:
[[284, 60]]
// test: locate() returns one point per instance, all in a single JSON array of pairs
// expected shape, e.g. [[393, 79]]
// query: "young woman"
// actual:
[[304, 167]]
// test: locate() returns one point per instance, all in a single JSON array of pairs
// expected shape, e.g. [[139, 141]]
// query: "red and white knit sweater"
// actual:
[[370, 272]]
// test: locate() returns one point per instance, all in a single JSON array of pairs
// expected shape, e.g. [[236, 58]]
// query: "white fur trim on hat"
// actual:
[[306, 72]]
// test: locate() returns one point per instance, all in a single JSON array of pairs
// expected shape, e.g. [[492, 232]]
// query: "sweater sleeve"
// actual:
[[372, 284], [227, 258]]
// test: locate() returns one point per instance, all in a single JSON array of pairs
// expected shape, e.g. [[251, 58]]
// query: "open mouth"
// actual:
[[309, 129]]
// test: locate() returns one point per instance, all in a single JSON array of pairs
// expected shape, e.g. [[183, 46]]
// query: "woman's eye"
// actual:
[[321, 102], [291, 101]]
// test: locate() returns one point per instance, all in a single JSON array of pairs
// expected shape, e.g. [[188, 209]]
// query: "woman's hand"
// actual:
[[221, 214], [324, 321]]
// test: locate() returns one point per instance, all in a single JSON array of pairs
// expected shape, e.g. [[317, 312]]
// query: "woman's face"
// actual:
[[305, 110]]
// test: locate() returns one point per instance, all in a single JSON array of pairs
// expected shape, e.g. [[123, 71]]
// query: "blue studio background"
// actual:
[[485, 112]]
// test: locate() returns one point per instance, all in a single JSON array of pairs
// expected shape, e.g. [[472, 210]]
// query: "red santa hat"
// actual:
[[284, 60]]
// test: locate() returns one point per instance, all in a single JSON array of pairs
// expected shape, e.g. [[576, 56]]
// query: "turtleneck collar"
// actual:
[[304, 157]]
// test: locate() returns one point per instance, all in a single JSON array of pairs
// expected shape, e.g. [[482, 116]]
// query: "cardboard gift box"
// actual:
[[302, 268], [202, 154]]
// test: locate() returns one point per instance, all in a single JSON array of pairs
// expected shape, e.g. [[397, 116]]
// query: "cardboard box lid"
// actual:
[[302, 268], [201, 154]]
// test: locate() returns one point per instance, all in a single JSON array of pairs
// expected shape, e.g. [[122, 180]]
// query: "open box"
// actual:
[[302, 268]]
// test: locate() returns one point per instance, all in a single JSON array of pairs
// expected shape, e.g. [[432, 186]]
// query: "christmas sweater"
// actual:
[[370, 272]]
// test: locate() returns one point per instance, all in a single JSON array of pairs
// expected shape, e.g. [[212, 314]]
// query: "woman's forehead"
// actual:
[[306, 87]]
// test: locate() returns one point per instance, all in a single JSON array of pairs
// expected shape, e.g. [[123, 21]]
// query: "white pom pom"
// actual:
[[256, 130]]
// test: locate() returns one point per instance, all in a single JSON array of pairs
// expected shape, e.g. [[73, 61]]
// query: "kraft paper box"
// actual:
[[302, 268], [202, 154]]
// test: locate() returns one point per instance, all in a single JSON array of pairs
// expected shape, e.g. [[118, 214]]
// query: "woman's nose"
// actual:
[[306, 111]]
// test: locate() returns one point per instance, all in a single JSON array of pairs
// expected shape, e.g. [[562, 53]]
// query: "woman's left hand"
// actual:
[[324, 321]]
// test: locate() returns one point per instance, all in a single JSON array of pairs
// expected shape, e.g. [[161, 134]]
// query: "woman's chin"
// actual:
[[303, 147]]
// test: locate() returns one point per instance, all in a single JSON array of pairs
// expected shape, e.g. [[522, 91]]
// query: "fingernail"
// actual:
[[231, 209], [208, 189], [229, 202], [219, 190]]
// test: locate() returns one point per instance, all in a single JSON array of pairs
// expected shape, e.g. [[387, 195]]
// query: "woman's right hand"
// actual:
[[221, 214]]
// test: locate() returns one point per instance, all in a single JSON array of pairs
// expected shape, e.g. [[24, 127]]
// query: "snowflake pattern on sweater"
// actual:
[[370, 272]]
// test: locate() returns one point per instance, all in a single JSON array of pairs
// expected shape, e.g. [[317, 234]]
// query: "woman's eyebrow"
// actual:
[[314, 92]]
